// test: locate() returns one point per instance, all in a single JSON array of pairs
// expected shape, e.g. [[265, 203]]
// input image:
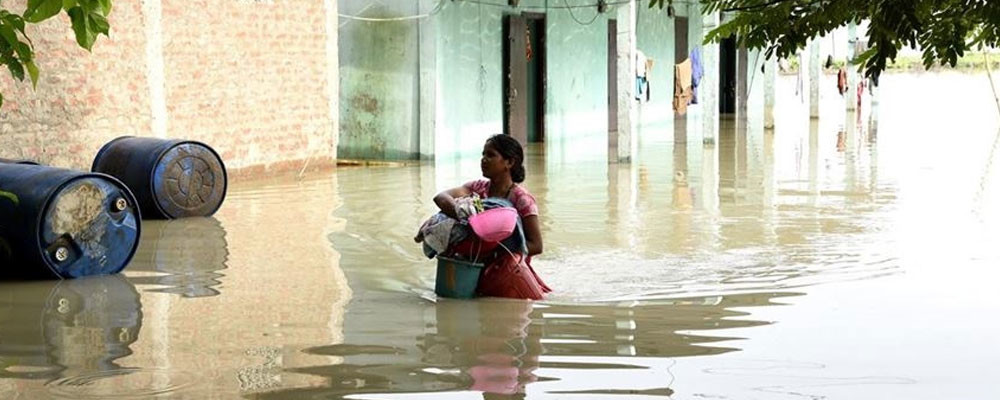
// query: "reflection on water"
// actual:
[[817, 260], [498, 346], [732, 216], [63, 328], [185, 255]]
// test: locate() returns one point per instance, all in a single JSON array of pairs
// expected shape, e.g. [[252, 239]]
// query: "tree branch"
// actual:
[[765, 5]]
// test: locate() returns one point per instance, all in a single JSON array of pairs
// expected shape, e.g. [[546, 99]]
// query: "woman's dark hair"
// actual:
[[510, 149]]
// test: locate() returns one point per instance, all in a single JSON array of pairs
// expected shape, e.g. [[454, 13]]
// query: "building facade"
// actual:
[[273, 87]]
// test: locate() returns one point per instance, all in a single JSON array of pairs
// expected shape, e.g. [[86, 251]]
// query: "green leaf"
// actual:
[[16, 69], [1, 99], [8, 34], [85, 36], [16, 21], [68, 4], [33, 6], [89, 5], [99, 23], [8, 195], [43, 10], [32, 73], [24, 52], [106, 6]]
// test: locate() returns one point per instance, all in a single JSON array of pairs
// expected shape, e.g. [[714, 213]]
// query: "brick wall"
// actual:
[[252, 78], [83, 99]]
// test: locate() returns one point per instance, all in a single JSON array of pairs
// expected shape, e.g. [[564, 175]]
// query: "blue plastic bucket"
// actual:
[[170, 178], [457, 278], [58, 223]]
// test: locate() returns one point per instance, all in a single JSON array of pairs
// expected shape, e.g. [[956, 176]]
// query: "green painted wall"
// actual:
[[469, 57], [381, 87], [577, 104], [655, 38], [379, 117]]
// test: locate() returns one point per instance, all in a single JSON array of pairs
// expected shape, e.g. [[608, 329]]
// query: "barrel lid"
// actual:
[[189, 181], [90, 227]]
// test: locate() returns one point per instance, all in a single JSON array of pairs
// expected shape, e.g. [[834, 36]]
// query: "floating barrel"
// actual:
[[58, 223], [170, 178]]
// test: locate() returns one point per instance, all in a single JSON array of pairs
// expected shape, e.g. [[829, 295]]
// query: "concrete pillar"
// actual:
[[742, 84], [709, 199], [332, 75], [851, 153], [851, 97], [428, 78], [709, 87], [770, 75], [769, 184], [815, 72], [627, 106], [813, 162]]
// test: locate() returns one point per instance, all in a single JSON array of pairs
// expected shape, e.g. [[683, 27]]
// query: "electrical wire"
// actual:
[[564, 7], [441, 3], [434, 11], [596, 14]]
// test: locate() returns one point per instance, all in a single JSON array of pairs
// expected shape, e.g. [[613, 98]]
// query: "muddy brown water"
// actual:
[[847, 258]]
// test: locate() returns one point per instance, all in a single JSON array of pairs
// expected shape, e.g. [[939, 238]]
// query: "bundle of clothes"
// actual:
[[687, 78], [489, 232]]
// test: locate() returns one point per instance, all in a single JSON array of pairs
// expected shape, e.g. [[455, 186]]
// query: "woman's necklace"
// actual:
[[509, 188]]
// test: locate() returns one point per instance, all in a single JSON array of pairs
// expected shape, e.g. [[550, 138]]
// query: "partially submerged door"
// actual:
[[612, 90], [680, 39], [515, 78], [727, 76]]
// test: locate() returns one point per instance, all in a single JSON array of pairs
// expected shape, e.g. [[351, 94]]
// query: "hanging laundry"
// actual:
[[682, 86], [641, 75], [697, 72], [842, 81]]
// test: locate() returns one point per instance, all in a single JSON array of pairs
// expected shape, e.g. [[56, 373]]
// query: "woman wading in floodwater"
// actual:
[[508, 272]]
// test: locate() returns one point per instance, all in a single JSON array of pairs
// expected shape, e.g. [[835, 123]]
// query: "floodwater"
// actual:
[[850, 258]]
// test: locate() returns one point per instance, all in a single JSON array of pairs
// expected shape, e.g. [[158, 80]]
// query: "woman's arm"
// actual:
[[533, 234], [446, 200]]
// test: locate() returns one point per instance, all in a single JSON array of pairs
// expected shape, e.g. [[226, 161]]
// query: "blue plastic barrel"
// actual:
[[58, 223], [9, 161], [170, 178]]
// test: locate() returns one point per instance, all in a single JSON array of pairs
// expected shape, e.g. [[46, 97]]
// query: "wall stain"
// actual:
[[365, 102]]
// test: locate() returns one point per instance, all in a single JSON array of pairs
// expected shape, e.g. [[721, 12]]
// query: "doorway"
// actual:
[[524, 77], [727, 75], [612, 90]]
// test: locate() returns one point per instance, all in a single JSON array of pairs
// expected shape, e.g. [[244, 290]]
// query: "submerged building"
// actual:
[[277, 88]]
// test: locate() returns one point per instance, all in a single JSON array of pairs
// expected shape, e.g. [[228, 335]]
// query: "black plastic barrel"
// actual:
[[170, 178], [58, 223]]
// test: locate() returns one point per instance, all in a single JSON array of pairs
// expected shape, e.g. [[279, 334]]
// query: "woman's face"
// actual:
[[493, 164]]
